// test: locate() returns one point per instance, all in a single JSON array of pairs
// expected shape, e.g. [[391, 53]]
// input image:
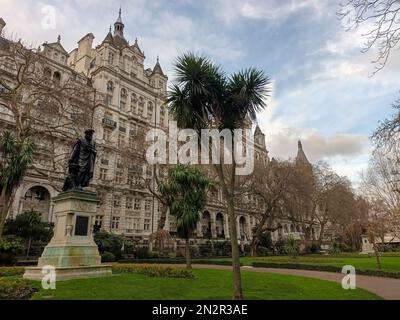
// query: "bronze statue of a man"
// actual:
[[81, 163]]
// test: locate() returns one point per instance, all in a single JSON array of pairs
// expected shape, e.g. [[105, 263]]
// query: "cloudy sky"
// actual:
[[322, 90]]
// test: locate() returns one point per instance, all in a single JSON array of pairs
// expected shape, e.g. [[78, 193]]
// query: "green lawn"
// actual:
[[208, 285], [359, 262]]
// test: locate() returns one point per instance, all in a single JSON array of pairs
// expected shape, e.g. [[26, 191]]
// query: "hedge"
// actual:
[[176, 261], [153, 270], [327, 268], [11, 271]]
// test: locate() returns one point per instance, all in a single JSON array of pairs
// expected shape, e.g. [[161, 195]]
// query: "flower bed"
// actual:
[[16, 289], [153, 270]]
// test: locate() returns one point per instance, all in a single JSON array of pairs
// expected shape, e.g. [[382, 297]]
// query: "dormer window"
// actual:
[[162, 116], [141, 106], [47, 73], [111, 58], [150, 110], [110, 87], [124, 94], [57, 77]]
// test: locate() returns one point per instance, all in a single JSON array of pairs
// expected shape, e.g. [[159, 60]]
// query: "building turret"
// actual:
[[119, 26], [2, 25], [157, 78], [259, 137], [301, 158]]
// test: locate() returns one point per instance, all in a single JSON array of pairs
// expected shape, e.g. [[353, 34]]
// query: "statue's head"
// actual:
[[89, 134]]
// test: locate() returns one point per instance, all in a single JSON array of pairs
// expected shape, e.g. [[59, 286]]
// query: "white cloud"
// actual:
[[317, 147], [230, 10], [160, 30]]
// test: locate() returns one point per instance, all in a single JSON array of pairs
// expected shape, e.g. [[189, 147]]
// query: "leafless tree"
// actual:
[[270, 184], [379, 189], [49, 110], [387, 137], [334, 197], [384, 17]]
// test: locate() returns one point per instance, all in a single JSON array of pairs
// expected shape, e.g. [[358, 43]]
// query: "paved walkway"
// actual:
[[387, 288]]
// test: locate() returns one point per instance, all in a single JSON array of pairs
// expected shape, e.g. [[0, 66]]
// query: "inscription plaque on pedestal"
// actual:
[[81, 226]]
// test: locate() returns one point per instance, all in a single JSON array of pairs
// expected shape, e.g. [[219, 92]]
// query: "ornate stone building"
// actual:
[[132, 98]]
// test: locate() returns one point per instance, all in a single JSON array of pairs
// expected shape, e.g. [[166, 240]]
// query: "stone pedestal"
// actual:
[[367, 247], [72, 250]]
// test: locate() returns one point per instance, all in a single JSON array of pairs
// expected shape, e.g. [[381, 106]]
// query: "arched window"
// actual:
[[141, 101], [219, 225], [206, 225], [242, 228], [38, 199]]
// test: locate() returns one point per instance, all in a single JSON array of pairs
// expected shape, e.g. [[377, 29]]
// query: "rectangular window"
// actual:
[[146, 226], [99, 222], [115, 223], [121, 140], [103, 173], [147, 205], [107, 135], [129, 203], [137, 204], [136, 224], [117, 202], [122, 106], [133, 224], [119, 177]]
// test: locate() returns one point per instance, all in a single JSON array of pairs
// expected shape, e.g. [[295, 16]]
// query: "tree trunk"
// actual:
[[162, 219], [321, 233], [187, 253], [254, 247], [28, 249], [237, 280], [229, 196], [378, 259], [5, 204]]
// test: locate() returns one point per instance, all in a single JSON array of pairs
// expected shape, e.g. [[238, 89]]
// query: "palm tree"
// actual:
[[15, 157], [203, 97], [187, 189]]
